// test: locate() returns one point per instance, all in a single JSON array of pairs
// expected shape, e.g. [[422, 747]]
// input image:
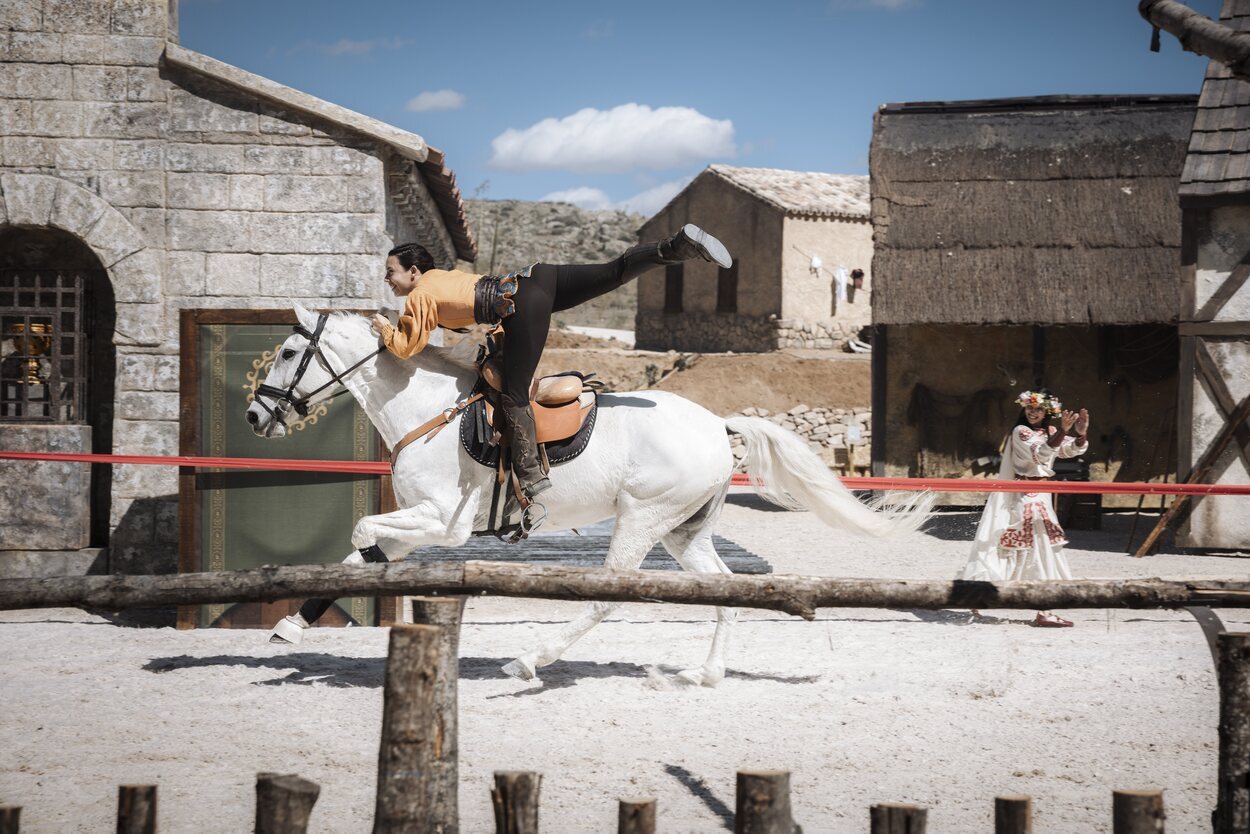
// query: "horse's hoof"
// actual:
[[698, 677], [287, 631], [520, 670]]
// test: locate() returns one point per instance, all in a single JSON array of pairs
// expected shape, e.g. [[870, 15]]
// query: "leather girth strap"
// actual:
[[433, 426]]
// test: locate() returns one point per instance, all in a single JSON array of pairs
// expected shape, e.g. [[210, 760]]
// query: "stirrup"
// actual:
[[527, 525]]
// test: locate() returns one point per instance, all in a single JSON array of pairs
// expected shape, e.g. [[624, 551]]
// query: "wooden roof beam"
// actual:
[[1198, 33]]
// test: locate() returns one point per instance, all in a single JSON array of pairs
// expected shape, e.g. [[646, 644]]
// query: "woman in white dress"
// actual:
[[1019, 536]]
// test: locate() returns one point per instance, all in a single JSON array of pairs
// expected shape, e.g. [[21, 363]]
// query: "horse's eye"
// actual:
[[288, 353]]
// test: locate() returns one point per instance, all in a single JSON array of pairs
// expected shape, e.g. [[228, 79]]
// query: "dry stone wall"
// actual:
[[841, 436]]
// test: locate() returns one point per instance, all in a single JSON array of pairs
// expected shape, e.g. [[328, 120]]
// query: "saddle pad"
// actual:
[[475, 435]]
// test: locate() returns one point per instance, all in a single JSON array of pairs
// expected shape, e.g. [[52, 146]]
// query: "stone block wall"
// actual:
[[720, 332], [191, 193], [830, 432]]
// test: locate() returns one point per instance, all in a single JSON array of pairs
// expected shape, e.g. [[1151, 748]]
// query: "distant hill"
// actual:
[[512, 234]]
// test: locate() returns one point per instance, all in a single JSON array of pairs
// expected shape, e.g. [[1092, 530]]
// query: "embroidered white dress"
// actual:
[[1019, 536]]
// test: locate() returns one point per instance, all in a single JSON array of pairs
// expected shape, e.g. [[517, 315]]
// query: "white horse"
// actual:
[[659, 463]]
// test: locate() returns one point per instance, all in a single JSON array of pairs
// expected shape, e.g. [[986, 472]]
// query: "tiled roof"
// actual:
[[1218, 162], [808, 193]]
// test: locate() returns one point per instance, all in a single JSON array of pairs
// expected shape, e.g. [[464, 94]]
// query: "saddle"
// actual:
[[564, 411]]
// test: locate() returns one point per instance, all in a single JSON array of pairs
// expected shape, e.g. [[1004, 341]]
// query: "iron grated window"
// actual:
[[43, 360]]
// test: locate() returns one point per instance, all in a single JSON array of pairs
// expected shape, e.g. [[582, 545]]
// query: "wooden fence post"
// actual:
[[410, 757], [136, 809], [284, 802], [1232, 807], [762, 804], [889, 818], [1013, 815], [10, 819], [636, 816], [445, 613], [515, 797], [1137, 812]]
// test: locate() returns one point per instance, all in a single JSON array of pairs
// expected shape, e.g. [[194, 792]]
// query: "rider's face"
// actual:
[[1034, 414], [400, 280]]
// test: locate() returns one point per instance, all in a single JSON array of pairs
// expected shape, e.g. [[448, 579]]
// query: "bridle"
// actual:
[[286, 401]]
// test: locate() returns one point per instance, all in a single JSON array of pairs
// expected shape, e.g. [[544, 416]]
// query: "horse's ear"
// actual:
[[305, 317]]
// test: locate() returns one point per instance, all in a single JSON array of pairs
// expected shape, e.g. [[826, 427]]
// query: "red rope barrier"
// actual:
[[365, 467]]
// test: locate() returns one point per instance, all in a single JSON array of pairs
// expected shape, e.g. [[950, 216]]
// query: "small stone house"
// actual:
[[797, 239], [139, 178]]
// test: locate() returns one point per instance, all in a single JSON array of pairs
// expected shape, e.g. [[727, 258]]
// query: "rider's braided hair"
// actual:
[[410, 254]]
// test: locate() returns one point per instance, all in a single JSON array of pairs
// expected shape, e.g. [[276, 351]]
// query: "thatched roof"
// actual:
[[802, 193], [1053, 210]]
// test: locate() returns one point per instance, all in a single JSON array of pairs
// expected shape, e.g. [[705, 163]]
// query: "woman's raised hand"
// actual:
[[1082, 422], [1067, 419]]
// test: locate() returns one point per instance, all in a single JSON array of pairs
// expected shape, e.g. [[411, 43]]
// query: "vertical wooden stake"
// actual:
[[762, 804], [636, 816], [284, 803], [897, 819], [1232, 806], [445, 613], [136, 809], [515, 797], [10, 819], [1137, 812], [410, 757], [1013, 815]]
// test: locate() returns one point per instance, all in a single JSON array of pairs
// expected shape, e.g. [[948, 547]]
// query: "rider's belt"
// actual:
[[493, 296]]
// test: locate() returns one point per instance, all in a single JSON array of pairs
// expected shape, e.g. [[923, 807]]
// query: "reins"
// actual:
[[284, 401]]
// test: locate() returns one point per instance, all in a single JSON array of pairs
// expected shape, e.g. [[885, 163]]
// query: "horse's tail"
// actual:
[[786, 472]]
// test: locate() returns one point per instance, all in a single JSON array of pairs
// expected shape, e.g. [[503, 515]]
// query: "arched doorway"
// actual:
[[57, 363]]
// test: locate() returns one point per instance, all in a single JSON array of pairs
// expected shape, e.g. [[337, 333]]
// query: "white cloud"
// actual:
[[599, 30], [431, 100], [623, 138], [347, 46], [583, 196], [645, 203]]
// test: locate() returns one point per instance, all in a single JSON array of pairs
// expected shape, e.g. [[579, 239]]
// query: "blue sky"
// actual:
[[620, 104]]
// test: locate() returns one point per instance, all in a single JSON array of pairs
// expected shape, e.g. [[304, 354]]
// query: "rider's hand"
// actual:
[[379, 323], [1067, 420]]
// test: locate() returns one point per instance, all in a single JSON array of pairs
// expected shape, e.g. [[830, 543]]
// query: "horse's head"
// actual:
[[299, 377]]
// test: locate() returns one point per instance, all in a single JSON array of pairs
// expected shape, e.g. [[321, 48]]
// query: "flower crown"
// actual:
[[1038, 399]]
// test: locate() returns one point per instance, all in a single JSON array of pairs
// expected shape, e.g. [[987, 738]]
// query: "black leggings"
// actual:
[[551, 289]]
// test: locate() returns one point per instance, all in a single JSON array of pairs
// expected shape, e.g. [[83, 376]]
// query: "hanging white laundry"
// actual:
[[841, 277], [817, 264]]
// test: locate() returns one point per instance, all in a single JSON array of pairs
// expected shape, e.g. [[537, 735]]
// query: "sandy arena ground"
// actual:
[[863, 706]]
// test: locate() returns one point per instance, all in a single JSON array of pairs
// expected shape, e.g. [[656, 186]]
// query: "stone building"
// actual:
[[137, 179], [794, 236], [1022, 242]]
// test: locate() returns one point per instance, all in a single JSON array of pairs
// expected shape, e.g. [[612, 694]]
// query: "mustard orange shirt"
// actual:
[[441, 298]]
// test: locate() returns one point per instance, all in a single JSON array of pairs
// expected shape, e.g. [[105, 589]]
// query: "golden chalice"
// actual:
[[32, 344]]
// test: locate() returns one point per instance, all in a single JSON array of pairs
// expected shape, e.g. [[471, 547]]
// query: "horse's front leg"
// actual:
[[380, 538]]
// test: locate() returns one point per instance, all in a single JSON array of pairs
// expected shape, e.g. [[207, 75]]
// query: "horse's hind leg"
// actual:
[[691, 545], [631, 541]]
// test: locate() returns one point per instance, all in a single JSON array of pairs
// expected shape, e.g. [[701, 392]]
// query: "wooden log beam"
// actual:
[[800, 595], [136, 809], [1198, 33], [762, 803], [1137, 812], [1232, 804], [515, 798], [1013, 815], [636, 816], [411, 766], [284, 803]]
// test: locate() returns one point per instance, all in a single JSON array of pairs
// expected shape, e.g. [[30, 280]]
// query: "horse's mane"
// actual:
[[462, 355]]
